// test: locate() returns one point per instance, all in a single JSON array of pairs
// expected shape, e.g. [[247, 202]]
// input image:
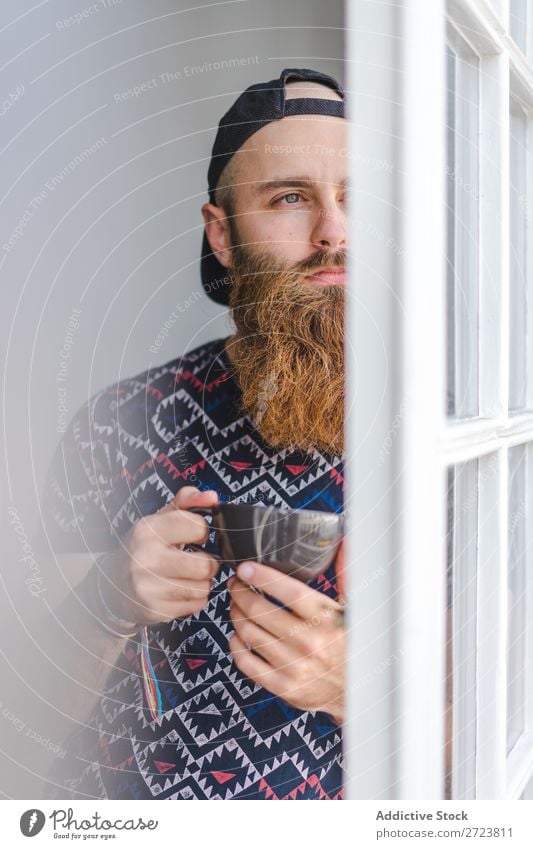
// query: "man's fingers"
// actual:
[[190, 496], [253, 667], [153, 593], [340, 571], [280, 623], [183, 589], [174, 524], [300, 598], [271, 648], [172, 527], [192, 565]]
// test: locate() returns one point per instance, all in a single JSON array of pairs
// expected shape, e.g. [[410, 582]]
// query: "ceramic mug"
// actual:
[[300, 543]]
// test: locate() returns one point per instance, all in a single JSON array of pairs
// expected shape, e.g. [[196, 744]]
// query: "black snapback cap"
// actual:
[[256, 107]]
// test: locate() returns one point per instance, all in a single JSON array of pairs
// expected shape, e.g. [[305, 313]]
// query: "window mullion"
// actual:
[[372, 402], [469, 439]]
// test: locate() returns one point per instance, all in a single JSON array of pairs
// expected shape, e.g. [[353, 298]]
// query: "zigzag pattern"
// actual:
[[220, 735]]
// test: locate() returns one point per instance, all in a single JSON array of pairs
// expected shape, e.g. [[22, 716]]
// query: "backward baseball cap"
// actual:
[[256, 107]]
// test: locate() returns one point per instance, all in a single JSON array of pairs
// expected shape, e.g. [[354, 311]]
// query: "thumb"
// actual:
[[340, 572], [191, 496]]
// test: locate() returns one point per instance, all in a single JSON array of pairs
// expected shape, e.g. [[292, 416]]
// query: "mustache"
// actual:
[[252, 264], [321, 259]]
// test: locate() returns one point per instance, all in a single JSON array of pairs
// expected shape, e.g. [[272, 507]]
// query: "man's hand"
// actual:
[[152, 579], [301, 650]]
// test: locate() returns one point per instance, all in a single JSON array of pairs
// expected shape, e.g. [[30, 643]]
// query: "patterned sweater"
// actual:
[[217, 734]]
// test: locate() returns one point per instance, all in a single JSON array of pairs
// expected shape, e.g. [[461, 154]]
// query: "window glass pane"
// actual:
[[527, 793], [448, 736], [463, 230], [450, 228], [516, 612], [461, 676], [518, 23], [518, 260]]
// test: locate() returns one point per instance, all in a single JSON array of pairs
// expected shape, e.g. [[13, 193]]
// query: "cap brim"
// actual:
[[215, 278]]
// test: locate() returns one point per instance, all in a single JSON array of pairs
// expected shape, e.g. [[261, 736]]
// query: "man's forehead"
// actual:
[[311, 144], [307, 144]]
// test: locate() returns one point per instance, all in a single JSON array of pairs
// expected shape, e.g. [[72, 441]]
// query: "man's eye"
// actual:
[[291, 197]]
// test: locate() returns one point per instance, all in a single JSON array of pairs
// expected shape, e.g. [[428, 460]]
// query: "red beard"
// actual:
[[288, 351]]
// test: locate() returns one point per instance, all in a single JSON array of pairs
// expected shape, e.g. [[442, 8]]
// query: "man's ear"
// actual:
[[218, 233]]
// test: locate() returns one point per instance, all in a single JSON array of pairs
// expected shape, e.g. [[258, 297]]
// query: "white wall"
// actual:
[[117, 237]]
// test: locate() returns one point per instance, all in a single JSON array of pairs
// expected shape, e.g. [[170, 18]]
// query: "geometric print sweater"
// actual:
[[217, 734]]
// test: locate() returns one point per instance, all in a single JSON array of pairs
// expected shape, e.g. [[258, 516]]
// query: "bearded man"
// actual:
[[185, 682]]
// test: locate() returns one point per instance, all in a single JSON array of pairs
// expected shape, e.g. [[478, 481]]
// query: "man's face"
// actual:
[[286, 252], [289, 201]]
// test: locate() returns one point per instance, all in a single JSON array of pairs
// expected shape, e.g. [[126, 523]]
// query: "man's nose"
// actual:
[[329, 230]]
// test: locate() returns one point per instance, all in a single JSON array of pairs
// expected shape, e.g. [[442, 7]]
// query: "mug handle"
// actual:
[[202, 511], [211, 511]]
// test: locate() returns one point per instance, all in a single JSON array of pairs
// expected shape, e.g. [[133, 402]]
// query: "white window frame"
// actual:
[[400, 442]]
